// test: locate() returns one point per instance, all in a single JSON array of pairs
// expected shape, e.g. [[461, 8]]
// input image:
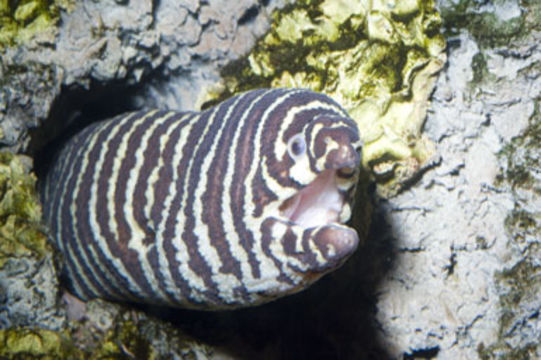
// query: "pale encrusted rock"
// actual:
[[463, 284], [29, 294], [176, 46]]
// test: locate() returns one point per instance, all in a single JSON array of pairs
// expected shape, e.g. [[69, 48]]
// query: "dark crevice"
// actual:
[[74, 109], [428, 353], [450, 269], [249, 15]]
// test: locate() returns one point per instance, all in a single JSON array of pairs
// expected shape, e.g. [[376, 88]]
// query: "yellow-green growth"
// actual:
[[20, 20], [36, 344], [377, 58], [111, 331], [124, 341], [20, 213]]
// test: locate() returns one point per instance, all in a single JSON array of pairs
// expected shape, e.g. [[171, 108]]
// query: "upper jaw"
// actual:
[[345, 157]]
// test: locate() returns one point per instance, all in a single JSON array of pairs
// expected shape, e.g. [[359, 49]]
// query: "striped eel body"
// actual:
[[230, 207]]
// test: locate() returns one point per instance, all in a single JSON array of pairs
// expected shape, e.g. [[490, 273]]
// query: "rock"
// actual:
[[172, 45], [28, 277], [29, 294], [467, 234], [450, 268]]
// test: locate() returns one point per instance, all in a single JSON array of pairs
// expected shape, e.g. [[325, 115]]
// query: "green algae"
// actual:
[[21, 233], [490, 31], [519, 286], [376, 58], [523, 153], [107, 331], [36, 344], [479, 68], [124, 341], [21, 20], [486, 27]]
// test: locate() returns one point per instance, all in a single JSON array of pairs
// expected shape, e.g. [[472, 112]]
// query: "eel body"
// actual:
[[226, 208]]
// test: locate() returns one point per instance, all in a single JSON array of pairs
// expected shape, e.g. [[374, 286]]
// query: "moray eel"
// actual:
[[230, 207]]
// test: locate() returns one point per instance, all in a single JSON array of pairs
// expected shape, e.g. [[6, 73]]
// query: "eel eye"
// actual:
[[296, 146]]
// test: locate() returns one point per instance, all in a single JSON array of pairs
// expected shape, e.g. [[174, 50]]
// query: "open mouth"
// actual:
[[319, 203]]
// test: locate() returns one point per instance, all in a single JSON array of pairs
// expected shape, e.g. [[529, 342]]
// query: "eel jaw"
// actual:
[[320, 209], [317, 204]]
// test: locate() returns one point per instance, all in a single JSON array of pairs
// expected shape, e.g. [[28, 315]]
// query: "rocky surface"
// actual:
[[28, 277], [450, 269], [101, 52], [466, 280]]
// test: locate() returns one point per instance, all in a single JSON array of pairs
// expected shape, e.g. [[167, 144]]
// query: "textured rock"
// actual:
[[176, 46], [28, 278], [109, 330], [29, 294], [466, 280], [451, 267]]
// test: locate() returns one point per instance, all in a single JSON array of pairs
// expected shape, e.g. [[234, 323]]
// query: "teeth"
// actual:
[[345, 214]]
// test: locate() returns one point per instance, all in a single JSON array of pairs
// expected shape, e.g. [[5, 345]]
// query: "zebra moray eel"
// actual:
[[226, 208]]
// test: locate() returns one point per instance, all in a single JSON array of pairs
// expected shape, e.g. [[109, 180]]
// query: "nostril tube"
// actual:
[[343, 157]]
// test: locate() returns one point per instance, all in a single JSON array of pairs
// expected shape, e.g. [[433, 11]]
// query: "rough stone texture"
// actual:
[[28, 277], [176, 46], [451, 269], [107, 330], [29, 294], [465, 284]]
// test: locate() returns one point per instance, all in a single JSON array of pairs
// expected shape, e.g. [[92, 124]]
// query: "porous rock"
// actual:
[[28, 277], [96, 44], [466, 278], [451, 267]]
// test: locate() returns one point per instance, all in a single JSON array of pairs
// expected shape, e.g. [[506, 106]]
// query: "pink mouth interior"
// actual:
[[317, 204]]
